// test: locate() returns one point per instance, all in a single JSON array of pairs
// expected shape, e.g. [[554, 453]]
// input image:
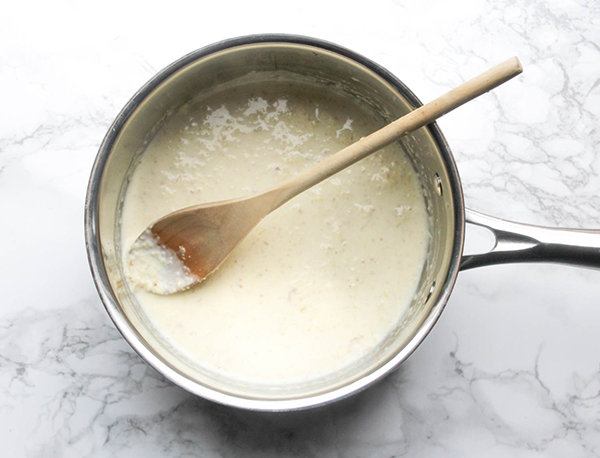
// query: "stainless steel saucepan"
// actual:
[[293, 58]]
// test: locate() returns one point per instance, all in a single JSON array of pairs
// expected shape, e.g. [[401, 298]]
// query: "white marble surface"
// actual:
[[511, 369]]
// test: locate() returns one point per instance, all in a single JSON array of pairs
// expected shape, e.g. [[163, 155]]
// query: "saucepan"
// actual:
[[236, 61]]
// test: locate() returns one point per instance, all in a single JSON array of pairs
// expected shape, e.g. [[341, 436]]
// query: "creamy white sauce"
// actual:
[[155, 267], [318, 283]]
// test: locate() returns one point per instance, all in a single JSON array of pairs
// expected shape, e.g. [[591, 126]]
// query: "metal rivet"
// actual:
[[431, 290], [438, 185]]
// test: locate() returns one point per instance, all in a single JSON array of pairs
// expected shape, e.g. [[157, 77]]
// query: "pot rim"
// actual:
[[100, 277]]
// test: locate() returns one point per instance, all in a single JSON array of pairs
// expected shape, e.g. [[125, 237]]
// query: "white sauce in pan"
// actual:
[[319, 282]]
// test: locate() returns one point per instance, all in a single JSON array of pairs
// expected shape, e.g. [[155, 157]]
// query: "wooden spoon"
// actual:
[[202, 236]]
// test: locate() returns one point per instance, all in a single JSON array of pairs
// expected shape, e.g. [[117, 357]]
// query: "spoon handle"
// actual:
[[420, 117]]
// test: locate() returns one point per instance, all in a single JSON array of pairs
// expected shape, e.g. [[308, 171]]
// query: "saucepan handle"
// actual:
[[517, 242]]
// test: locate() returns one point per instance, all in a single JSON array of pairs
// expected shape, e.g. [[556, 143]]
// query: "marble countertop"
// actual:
[[511, 369]]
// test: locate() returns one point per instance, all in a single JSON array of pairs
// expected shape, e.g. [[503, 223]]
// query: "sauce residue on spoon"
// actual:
[[155, 267]]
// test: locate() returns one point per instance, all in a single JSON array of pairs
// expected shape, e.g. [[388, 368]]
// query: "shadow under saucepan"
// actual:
[[371, 417]]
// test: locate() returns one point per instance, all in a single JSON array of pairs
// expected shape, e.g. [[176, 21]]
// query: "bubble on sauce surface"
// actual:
[[156, 268]]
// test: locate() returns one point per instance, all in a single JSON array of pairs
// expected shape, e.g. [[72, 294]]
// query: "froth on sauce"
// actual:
[[321, 281]]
